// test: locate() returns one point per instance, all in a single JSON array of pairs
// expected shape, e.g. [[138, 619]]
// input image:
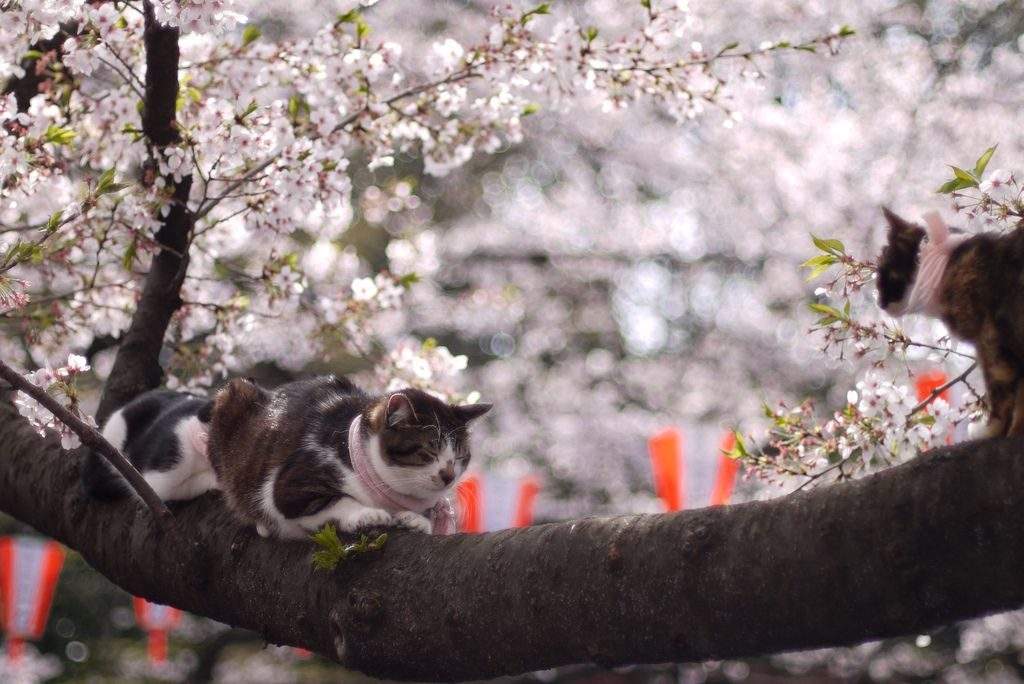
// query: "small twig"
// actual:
[[94, 440], [937, 392], [214, 201], [816, 476], [934, 347]]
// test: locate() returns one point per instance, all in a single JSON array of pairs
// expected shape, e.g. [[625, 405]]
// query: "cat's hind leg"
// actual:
[[1001, 381], [1016, 428], [167, 483], [197, 484]]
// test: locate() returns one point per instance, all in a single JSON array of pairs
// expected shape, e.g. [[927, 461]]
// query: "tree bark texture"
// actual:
[[934, 540]]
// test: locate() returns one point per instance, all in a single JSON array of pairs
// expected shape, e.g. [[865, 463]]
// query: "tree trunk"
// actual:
[[137, 365], [932, 541]]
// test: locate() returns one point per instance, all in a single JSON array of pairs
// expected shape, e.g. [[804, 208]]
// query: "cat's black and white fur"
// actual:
[[163, 434], [283, 458]]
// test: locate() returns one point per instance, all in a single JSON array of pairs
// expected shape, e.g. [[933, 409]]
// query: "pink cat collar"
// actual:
[[933, 258], [441, 514]]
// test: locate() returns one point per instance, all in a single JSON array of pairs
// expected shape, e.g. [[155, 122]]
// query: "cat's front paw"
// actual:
[[366, 517], [414, 521]]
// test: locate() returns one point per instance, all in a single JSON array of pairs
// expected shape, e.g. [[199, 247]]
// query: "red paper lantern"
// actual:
[[669, 468], [725, 478], [488, 502], [157, 620], [29, 569], [930, 381]]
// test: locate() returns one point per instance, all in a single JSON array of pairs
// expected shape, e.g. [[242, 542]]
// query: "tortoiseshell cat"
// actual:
[[975, 285]]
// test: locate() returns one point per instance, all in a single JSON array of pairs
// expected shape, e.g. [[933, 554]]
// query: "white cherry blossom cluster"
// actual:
[[424, 365], [61, 381], [880, 424]]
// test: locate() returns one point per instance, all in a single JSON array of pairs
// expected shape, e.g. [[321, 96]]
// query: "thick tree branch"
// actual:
[[137, 365], [926, 543], [92, 439]]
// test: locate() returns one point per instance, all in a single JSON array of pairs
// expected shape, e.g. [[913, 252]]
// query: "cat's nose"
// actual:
[[447, 474]]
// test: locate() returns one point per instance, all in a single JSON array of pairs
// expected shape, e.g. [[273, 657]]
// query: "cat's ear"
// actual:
[[398, 410], [468, 412], [238, 397], [900, 229], [938, 230], [897, 264]]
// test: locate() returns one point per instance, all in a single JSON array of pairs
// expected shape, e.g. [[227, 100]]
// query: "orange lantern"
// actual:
[[29, 569], [157, 620]]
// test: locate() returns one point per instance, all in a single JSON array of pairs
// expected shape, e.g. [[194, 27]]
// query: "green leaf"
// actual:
[[54, 222], [829, 314], [646, 4], [250, 34], [107, 183], [979, 166], [739, 449], [950, 186], [132, 130], [409, 279], [846, 31], [249, 109], [543, 8], [731, 46], [59, 135], [297, 107], [965, 176], [531, 108], [818, 307], [129, 255], [590, 34], [32, 54], [829, 245], [106, 179], [819, 264], [355, 18]]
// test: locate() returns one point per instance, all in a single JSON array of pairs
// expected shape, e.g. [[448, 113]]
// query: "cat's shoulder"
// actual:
[[321, 389]]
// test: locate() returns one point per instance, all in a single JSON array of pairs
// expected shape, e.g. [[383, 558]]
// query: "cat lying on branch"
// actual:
[[289, 460], [975, 285]]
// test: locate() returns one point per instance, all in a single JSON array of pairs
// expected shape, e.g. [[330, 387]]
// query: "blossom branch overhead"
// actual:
[[264, 131]]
